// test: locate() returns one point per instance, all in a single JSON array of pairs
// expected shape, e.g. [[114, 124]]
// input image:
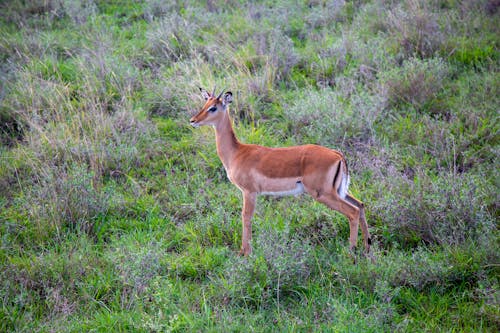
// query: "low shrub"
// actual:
[[278, 50], [178, 35], [48, 11], [447, 209], [157, 9], [137, 266], [329, 118], [169, 94], [50, 284], [279, 266], [414, 27], [416, 84], [65, 198], [83, 122]]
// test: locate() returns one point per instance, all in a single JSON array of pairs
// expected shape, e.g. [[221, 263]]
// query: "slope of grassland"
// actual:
[[115, 215]]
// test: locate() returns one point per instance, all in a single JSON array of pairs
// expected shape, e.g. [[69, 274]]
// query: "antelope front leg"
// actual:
[[246, 217]]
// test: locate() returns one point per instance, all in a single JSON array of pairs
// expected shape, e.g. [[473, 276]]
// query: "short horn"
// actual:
[[213, 92], [221, 93]]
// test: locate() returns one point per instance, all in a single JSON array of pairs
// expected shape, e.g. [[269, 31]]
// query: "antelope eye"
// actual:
[[212, 109]]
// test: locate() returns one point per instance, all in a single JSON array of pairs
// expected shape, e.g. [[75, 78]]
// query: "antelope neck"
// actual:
[[227, 143]]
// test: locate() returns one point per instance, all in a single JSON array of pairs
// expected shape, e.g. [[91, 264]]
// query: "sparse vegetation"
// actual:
[[116, 216]]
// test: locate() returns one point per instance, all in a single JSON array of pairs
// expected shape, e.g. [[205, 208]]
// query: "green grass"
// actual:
[[116, 215]]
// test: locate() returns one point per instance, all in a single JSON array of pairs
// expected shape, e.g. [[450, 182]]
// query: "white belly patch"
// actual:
[[298, 189]]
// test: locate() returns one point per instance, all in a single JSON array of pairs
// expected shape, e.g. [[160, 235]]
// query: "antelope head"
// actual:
[[214, 109]]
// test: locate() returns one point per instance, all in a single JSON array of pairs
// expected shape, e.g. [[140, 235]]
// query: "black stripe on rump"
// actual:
[[337, 175]]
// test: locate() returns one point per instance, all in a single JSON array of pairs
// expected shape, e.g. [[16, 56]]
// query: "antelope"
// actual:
[[254, 169]]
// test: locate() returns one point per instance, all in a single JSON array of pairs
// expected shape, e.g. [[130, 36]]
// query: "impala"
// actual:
[[255, 169]]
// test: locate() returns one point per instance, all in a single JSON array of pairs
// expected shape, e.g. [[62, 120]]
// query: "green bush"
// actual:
[[414, 27], [418, 84], [328, 117], [50, 284], [63, 198], [447, 209], [280, 267]]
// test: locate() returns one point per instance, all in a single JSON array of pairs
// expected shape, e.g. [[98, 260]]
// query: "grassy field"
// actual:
[[116, 215]]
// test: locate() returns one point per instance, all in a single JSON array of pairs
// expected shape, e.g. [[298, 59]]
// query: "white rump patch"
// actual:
[[344, 186]]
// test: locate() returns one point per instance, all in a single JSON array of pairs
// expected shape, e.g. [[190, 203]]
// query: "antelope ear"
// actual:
[[205, 94], [228, 98]]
